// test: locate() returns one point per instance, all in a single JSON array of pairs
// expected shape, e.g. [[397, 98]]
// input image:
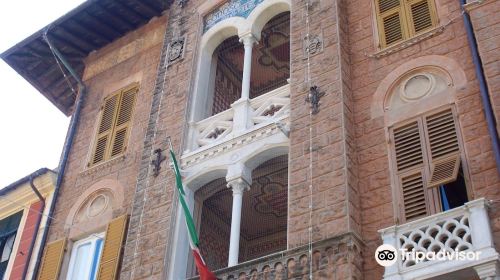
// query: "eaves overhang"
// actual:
[[88, 27]]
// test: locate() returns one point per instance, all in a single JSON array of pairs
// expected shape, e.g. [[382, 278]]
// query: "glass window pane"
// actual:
[[7, 249], [82, 262], [97, 257]]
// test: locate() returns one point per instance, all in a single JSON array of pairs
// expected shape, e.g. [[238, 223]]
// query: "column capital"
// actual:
[[248, 39], [238, 185]]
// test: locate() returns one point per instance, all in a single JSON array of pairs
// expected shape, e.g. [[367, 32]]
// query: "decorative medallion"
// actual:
[[232, 8], [97, 205], [175, 50], [417, 87], [313, 45]]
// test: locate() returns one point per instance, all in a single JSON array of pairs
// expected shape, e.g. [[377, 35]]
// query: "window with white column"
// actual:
[[252, 216], [244, 68]]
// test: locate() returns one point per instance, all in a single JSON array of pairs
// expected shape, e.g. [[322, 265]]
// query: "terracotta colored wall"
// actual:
[[372, 148], [486, 24], [132, 58], [26, 234]]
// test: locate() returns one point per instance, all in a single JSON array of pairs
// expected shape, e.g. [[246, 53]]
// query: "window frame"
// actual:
[[406, 21], [93, 242], [114, 127], [432, 194]]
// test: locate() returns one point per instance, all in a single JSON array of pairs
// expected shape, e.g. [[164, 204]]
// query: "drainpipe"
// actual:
[[483, 87], [82, 90], [37, 227]]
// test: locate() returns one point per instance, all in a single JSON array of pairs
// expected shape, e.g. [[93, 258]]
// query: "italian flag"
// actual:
[[204, 272]]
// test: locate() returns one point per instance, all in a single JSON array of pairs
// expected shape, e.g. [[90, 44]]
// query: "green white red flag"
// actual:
[[203, 271]]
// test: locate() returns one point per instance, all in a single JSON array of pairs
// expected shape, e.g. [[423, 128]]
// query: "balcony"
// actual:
[[250, 117], [465, 229], [332, 258]]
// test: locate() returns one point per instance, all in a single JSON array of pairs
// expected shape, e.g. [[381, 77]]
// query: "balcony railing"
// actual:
[[244, 116], [463, 229], [328, 260]]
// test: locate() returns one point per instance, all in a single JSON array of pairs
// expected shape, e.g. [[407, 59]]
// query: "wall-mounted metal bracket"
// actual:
[[157, 162], [313, 97]]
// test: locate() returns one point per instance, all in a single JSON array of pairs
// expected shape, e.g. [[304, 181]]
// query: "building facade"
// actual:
[[23, 217], [308, 133]]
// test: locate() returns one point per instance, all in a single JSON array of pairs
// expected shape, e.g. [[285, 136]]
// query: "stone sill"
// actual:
[[96, 168], [410, 42]]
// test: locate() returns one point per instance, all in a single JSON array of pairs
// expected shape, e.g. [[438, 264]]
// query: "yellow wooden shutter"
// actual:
[[420, 15], [110, 257], [409, 156], [390, 21], [105, 130], [51, 261], [124, 116], [443, 147]]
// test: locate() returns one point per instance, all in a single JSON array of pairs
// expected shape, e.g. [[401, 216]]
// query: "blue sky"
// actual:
[[33, 130]]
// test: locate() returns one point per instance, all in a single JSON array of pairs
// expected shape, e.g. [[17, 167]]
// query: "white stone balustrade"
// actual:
[[464, 229], [244, 116]]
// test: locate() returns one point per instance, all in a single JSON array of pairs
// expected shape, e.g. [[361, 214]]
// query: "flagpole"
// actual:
[[170, 143]]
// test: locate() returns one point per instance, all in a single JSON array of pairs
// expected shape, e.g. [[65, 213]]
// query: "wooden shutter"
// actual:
[[409, 156], [124, 116], [390, 21], [114, 125], [421, 16], [408, 146], [443, 147], [110, 258], [52, 259], [105, 130], [413, 193]]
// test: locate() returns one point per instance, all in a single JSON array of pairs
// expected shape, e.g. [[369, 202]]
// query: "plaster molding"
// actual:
[[114, 201], [210, 152], [447, 65]]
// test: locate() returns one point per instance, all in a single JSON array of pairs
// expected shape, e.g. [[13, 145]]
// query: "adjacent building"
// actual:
[[24, 207], [309, 133]]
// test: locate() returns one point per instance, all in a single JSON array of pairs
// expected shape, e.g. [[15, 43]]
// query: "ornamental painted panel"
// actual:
[[232, 8]]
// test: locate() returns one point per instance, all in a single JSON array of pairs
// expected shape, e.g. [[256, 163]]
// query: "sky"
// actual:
[[32, 129]]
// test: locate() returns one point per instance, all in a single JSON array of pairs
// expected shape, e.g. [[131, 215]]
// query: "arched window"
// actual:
[[271, 56], [425, 142], [270, 64], [263, 228]]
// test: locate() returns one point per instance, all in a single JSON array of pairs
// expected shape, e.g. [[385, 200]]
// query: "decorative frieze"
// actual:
[[232, 8]]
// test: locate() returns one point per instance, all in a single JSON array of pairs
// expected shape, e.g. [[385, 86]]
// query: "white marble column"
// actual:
[[238, 186], [242, 110], [248, 41]]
